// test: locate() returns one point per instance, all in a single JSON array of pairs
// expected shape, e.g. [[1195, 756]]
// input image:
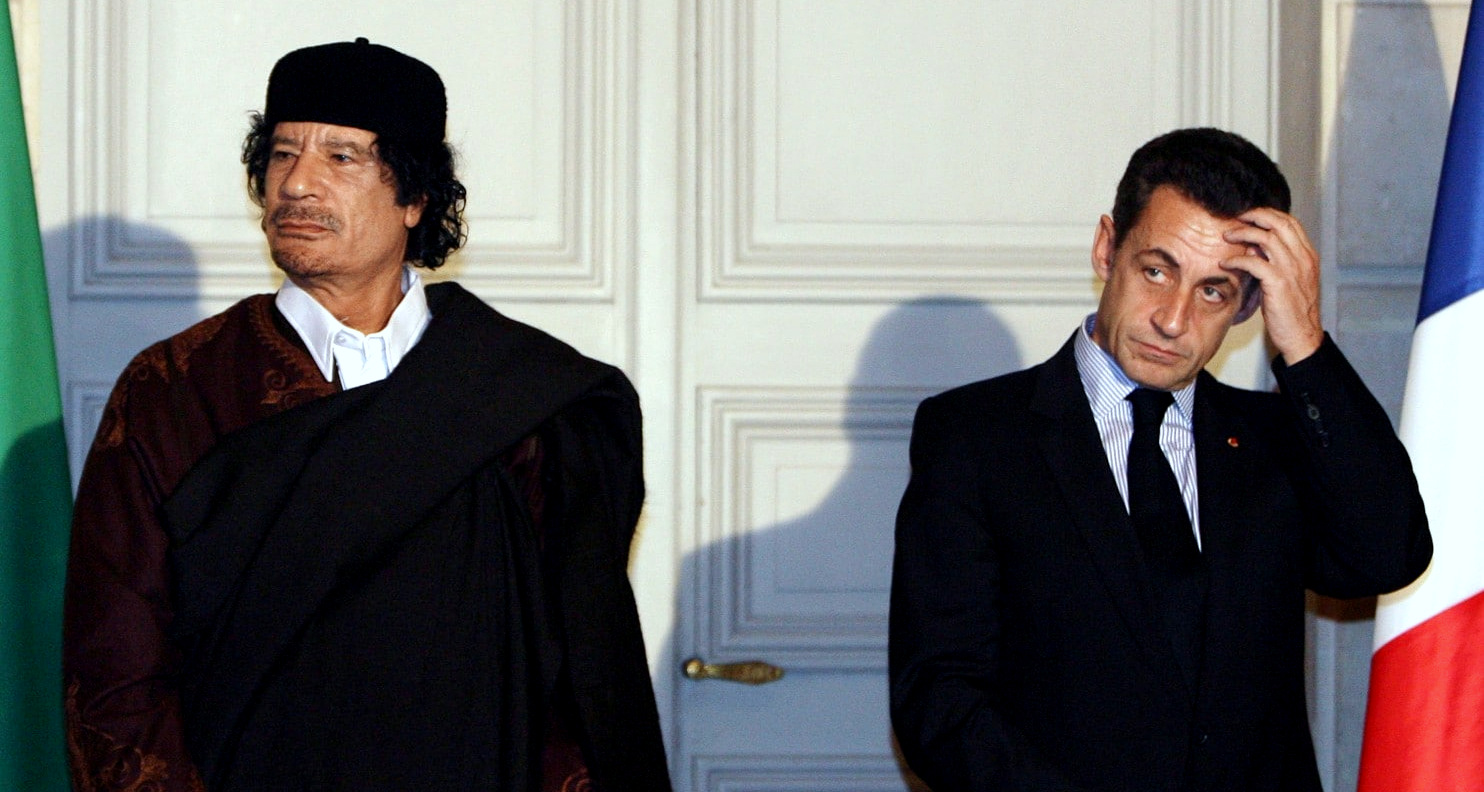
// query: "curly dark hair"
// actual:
[[421, 172]]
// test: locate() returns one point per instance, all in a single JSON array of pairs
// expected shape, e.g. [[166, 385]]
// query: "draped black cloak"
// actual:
[[363, 602]]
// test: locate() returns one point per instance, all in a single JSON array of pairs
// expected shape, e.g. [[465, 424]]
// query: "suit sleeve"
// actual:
[[944, 629], [119, 667], [1370, 532]]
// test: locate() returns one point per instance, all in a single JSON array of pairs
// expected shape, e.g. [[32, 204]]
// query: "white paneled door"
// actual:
[[788, 220], [879, 200]]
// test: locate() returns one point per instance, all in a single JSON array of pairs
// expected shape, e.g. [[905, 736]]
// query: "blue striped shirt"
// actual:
[[1106, 386]]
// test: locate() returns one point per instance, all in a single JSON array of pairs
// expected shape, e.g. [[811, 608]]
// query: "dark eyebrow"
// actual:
[[347, 145], [1160, 253], [1164, 255], [334, 143]]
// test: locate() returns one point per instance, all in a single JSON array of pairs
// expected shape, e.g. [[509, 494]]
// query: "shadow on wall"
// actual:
[[1386, 152], [92, 335], [98, 335], [793, 558]]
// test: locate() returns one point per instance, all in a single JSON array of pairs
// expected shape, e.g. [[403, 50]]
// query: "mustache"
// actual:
[[309, 214]]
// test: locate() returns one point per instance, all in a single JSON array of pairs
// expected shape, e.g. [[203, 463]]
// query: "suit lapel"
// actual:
[[1074, 452], [1226, 467]]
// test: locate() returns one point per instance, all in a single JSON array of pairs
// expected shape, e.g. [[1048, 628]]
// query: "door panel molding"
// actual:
[[841, 159], [792, 474], [150, 160]]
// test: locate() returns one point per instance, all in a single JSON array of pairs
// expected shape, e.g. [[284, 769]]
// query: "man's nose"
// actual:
[[303, 178], [1172, 316]]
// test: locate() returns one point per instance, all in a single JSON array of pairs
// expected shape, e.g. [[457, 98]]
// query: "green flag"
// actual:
[[35, 494]]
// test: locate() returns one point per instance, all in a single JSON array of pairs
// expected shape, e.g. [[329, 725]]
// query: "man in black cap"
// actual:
[[360, 534]]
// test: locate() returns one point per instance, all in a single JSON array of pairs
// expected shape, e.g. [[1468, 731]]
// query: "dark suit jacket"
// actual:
[[1026, 653]]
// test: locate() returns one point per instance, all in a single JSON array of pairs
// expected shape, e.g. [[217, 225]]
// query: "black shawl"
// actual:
[[359, 591]]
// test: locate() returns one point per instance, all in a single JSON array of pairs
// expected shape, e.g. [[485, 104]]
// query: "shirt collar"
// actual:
[[318, 327], [1106, 384]]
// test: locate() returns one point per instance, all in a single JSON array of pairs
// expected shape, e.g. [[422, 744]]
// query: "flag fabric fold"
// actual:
[[1425, 716], [35, 492]]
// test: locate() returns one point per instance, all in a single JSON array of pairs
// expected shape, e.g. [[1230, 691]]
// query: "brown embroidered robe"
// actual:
[[215, 624]]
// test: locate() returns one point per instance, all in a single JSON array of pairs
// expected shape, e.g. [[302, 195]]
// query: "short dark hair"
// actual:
[[423, 171], [1222, 172]]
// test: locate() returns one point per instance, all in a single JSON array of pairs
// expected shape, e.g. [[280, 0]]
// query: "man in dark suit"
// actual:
[[1065, 616]]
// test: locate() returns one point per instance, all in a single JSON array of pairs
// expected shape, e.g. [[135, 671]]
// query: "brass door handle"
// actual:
[[751, 672]]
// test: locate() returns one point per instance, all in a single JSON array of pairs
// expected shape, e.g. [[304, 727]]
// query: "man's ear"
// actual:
[[1103, 248], [412, 213]]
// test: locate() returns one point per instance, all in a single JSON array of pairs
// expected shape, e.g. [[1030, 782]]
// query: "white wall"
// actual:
[[633, 188]]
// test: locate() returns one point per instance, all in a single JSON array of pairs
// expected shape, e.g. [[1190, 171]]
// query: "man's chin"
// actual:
[[300, 266]]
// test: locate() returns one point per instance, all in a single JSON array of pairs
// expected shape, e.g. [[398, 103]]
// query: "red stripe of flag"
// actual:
[[1425, 719]]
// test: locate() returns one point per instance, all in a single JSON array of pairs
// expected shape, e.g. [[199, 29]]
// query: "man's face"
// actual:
[[1166, 303], [330, 204]]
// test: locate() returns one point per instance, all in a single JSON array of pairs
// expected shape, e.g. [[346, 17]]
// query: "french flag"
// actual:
[[1424, 729]]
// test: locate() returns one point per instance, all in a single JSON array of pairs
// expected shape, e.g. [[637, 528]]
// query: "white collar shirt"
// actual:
[[359, 358], [1106, 386]]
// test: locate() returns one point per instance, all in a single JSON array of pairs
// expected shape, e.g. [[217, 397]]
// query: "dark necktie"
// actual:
[[1176, 568], [1154, 501]]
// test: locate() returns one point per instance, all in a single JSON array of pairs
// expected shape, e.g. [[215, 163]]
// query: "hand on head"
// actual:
[[1284, 262]]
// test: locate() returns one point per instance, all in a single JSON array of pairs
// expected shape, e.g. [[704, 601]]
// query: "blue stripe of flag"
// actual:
[[1455, 255]]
